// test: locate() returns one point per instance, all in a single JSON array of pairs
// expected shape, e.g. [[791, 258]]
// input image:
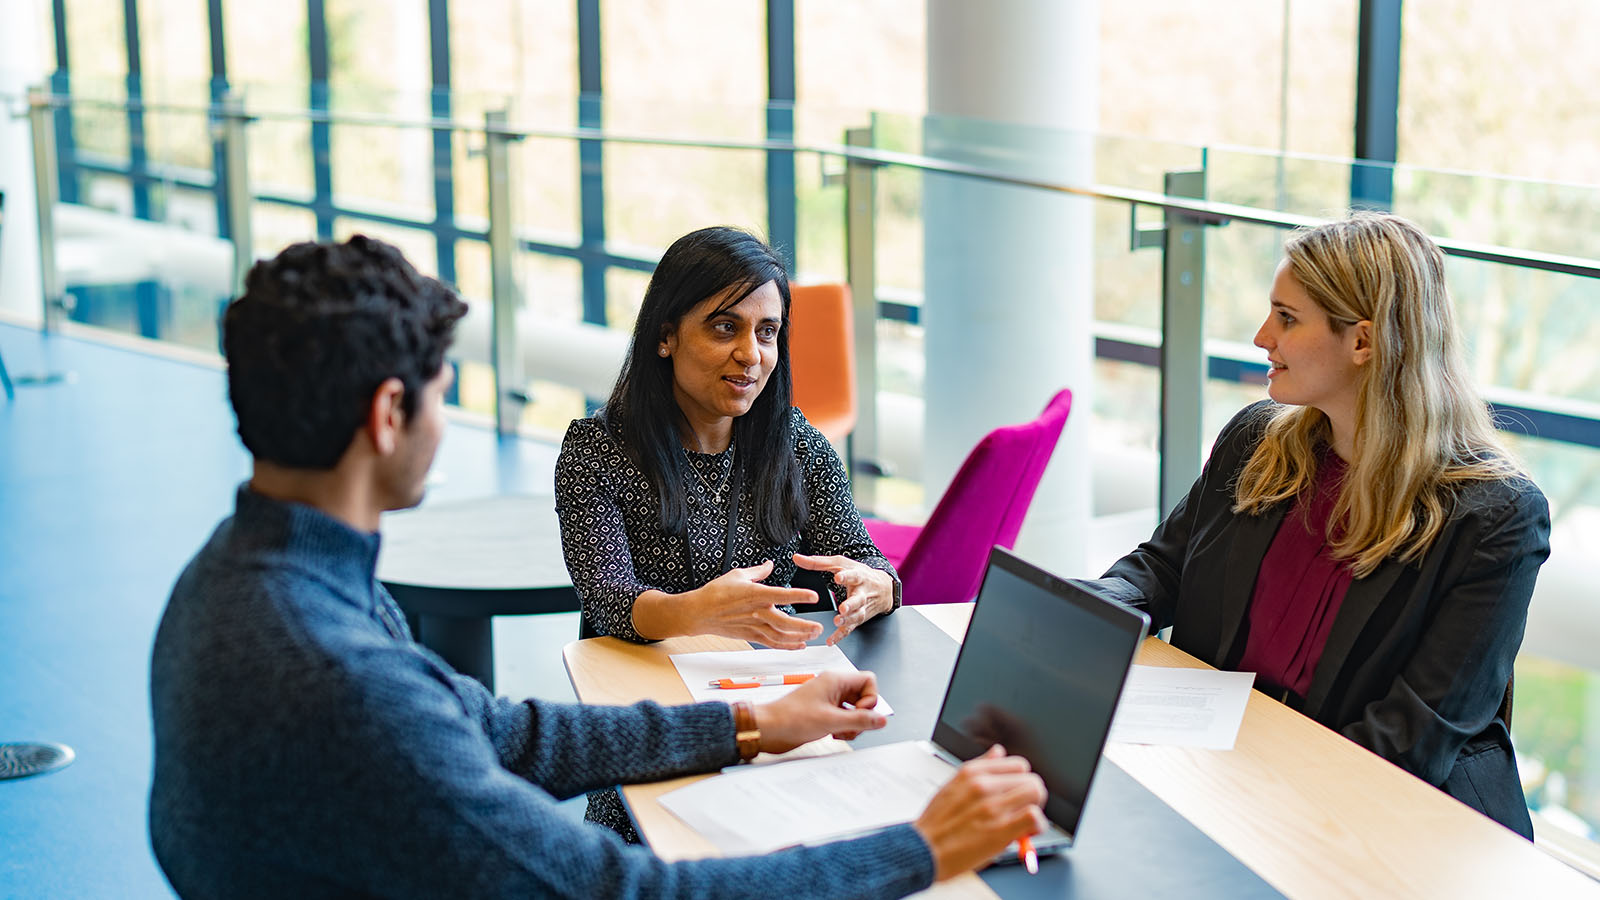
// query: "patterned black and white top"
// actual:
[[616, 549]]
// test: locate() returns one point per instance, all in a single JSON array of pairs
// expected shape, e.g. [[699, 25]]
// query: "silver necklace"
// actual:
[[721, 485]]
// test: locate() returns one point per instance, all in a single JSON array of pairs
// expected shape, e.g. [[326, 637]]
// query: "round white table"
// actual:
[[453, 566]]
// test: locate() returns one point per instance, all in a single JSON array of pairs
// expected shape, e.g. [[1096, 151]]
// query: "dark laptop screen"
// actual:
[[1040, 672]]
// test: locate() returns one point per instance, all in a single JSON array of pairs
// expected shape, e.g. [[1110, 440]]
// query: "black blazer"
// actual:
[[1416, 663]]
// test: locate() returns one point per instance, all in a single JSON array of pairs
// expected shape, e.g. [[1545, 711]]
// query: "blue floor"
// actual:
[[109, 481]]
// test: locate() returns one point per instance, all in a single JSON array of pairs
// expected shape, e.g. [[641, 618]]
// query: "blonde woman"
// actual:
[[1362, 541]]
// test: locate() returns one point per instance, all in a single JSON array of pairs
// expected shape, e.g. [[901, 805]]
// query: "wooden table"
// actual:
[[454, 566], [1313, 814]]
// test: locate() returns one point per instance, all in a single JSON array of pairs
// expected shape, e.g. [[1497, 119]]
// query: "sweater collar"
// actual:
[[346, 555]]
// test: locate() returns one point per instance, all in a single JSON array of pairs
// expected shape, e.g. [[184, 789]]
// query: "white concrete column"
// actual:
[[1009, 277], [22, 63]]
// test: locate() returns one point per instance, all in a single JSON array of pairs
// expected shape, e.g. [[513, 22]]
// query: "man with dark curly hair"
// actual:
[[305, 746]]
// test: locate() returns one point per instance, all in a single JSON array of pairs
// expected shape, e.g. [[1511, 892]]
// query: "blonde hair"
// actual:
[[1421, 429]]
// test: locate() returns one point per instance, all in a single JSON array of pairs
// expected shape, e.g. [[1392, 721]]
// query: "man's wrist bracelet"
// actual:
[[746, 734]]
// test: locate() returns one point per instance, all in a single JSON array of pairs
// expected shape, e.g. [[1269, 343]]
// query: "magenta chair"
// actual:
[[943, 561]]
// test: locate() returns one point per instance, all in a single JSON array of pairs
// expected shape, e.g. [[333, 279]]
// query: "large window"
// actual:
[[716, 56], [1203, 74], [377, 63], [1488, 87]]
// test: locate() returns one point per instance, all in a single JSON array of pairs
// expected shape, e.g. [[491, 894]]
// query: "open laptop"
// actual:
[[1040, 672]]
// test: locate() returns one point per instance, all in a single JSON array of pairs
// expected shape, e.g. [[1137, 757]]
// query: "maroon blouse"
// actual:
[[1299, 589]]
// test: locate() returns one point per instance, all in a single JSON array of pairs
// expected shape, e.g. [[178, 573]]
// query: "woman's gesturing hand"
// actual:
[[736, 604], [868, 592]]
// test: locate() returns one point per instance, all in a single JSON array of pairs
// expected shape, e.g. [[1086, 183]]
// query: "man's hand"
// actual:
[[816, 708], [993, 800], [868, 592]]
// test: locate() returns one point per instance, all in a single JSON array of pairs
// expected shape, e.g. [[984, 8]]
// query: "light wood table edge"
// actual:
[[1312, 829], [616, 672], [1385, 833]]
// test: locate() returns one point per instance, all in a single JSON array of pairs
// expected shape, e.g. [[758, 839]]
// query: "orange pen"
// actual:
[[1025, 853], [755, 681]]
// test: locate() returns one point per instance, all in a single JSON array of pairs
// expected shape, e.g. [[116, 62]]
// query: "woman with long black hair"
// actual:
[[688, 501]]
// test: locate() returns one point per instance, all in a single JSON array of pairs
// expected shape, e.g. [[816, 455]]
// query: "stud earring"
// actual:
[[661, 351]]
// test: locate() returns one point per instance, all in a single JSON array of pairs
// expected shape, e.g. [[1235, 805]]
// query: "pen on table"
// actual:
[[1027, 855], [752, 681]]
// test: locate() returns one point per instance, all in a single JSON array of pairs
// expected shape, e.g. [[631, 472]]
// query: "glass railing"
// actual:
[[985, 260]]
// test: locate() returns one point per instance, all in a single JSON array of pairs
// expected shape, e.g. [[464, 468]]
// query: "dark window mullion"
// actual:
[[591, 161], [444, 205], [61, 84], [219, 89], [1377, 128], [321, 141], [138, 160], [782, 224]]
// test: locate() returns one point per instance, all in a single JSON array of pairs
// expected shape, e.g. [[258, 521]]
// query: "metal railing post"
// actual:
[[235, 176], [1183, 338], [860, 215], [41, 117], [508, 387]]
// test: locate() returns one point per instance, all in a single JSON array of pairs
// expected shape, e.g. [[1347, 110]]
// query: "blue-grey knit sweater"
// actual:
[[306, 747]]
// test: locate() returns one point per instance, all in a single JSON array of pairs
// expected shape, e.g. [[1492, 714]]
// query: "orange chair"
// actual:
[[822, 355]]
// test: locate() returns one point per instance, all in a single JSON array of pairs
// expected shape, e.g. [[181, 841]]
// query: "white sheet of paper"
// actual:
[[760, 809], [698, 669], [1182, 707]]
